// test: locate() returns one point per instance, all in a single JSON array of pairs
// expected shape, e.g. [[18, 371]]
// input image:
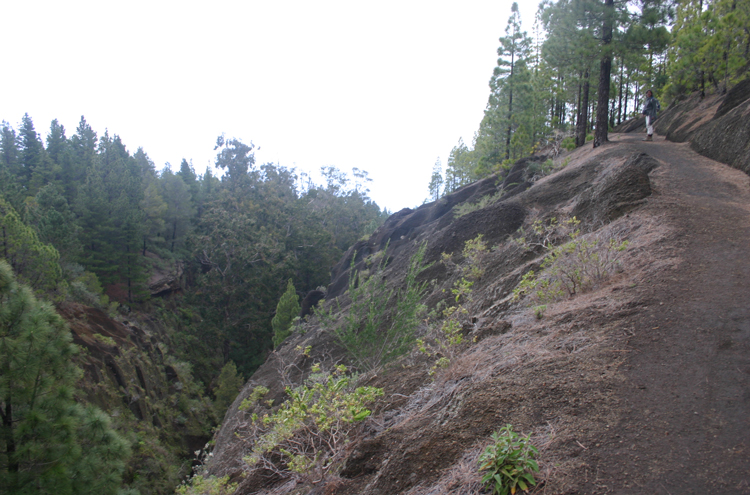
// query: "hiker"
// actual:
[[650, 109]]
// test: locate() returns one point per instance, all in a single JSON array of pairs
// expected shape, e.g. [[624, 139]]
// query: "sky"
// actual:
[[388, 87]]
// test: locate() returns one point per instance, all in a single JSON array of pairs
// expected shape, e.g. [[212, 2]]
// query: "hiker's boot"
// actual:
[[650, 137]]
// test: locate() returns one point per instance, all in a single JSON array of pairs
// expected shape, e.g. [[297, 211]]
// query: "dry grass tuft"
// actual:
[[462, 478]]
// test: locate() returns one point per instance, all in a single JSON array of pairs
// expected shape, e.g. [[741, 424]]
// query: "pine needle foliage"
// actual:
[[228, 386], [48, 442], [381, 321], [286, 311]]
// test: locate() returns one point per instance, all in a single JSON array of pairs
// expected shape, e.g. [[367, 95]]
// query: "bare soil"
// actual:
[[685, 424]]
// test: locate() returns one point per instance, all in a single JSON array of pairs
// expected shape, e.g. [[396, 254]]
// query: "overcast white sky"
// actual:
[[385, 86]]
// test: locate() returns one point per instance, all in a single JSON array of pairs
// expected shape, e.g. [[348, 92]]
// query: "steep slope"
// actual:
[[150, 395], [638, 383]]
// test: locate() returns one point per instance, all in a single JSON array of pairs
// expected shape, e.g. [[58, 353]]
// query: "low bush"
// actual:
[[509, 462], [380, 323], [306, 435], [466, 208], [569, 267], [444, 337], [210, 485]]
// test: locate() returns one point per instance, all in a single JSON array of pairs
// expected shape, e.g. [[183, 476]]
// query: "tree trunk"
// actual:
[[605, 69], [174, 235], [510, 104], [579, 109], [582, 127], [625, 103], [10, 442], [619, 96]]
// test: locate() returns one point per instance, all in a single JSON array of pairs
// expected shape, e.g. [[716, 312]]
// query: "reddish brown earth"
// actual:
[[685, 427]]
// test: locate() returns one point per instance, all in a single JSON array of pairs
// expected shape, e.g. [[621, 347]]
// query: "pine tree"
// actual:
[[49, 444], [83, 149], [509, 78], [9, 154], [36, 263], [287, 309], [53, 219], [461, 169], [10, 166], [179, 211], [228, 385], [436, 180], [36, 167]]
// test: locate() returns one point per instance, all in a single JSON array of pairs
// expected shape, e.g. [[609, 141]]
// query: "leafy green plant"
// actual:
[[466, 208], [104, 339], [380, 322], [210, 485], [509, 462], [258, 393], [540, 169], [448, 335], [567, 268], [307, 433]]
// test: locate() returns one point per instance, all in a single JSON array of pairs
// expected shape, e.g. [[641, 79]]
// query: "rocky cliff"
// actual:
[[151, 397]]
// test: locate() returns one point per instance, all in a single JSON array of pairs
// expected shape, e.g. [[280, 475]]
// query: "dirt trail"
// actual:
[[686, 397]]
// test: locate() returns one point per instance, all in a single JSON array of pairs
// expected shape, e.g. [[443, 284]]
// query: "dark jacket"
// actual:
[[651, 107]]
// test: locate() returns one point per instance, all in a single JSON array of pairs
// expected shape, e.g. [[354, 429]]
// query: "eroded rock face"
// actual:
[[167, 280], [727, 137], [619, 190], [717, 126], [438, 224], [127, 376]]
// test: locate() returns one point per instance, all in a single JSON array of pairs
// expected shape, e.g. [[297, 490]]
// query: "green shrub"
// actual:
[[509, 462], [466, 208], [567, 268], [540, 169], [210, 485], [443, 340], [257, 394], [104, 339], [380, 322], [309, 431], [287, 310]]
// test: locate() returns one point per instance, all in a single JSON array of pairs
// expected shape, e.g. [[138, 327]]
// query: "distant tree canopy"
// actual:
[[587, 66], [83, 212]]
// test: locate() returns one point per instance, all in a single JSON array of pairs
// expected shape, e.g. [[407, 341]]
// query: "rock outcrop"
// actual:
[[129, 374], [717, 126]]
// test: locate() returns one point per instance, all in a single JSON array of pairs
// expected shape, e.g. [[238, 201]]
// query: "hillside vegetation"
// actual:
[[505, 299]]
